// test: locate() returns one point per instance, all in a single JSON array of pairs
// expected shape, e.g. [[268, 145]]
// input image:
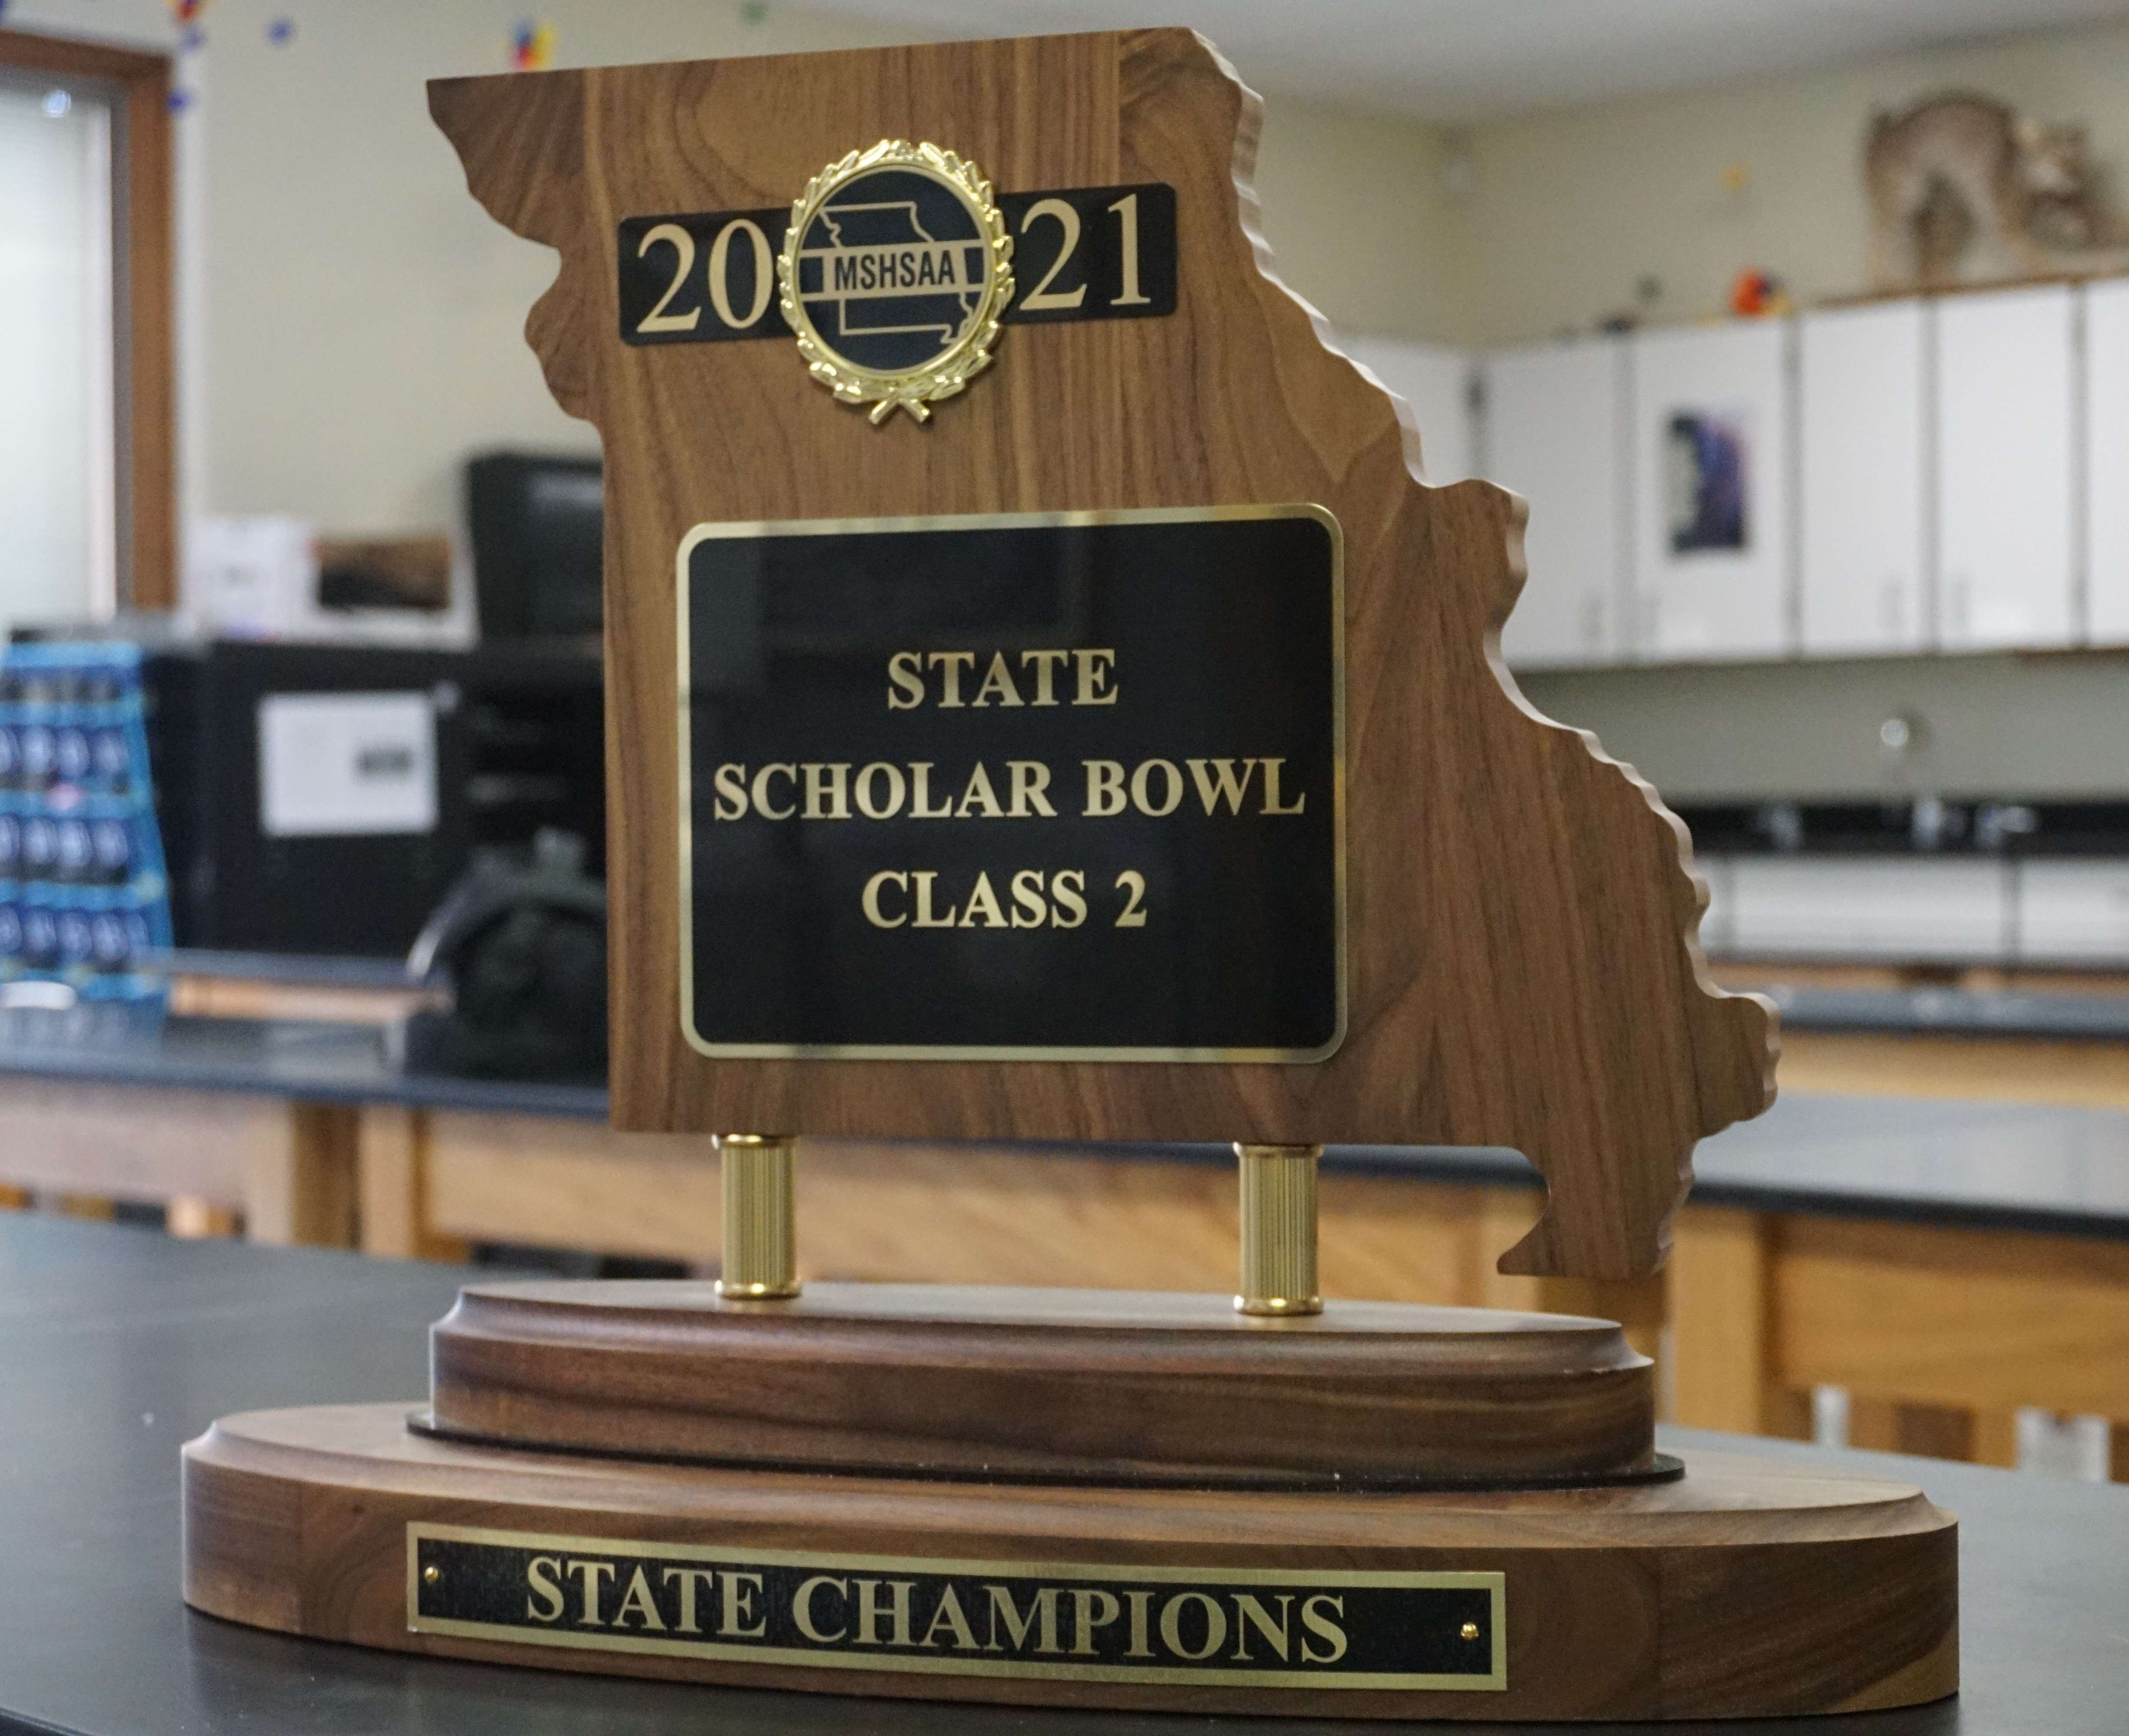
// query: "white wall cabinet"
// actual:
[[1712, 491], [1553, 428], [1862, 518], [1867, 481], [1436, 380], [2106, 461], [2072, 912], [1867, 907], [2005, 369]]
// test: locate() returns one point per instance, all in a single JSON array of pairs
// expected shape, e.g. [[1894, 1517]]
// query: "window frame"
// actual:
[[143, 340]]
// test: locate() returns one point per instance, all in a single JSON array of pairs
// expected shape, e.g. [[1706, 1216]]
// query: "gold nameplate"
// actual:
[[893, 274], [1055, 1621]]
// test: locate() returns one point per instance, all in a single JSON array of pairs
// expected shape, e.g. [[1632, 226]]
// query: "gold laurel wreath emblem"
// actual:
[[915, 389]]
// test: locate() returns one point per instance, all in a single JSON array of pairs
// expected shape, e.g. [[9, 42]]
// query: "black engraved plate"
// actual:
[[1067, 1621], [1061, 785], [1079, 253]]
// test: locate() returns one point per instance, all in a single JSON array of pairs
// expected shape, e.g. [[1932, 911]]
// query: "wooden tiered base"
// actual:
[[1072, 1499]]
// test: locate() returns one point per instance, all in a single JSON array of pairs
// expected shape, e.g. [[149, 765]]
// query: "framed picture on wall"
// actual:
[[1711, 414], [1707, 458]]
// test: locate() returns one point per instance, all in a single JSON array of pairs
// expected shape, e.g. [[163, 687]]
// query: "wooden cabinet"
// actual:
[[1436, 380], [1862, 483], [2106, 461], [1712, 491], [2005, 369], [1553, 428]]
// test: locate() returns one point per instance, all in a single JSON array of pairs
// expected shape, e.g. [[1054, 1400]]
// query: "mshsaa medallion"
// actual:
[[894, 274]]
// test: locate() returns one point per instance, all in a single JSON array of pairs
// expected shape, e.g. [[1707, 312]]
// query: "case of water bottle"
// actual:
[[84, 897]]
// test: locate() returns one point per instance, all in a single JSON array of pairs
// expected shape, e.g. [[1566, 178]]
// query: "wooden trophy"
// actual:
[[1044, 705]]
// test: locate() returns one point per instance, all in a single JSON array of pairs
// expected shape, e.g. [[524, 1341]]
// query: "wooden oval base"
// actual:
[[1113, 1387], [1745, 1588]]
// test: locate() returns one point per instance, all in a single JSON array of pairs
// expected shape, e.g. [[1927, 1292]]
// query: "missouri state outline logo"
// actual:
[[893, 274]]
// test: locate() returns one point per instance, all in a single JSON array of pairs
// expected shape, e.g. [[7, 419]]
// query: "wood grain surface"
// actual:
[[289, 1167], [1746, 1589], [1522, 959], [1045, 1385]]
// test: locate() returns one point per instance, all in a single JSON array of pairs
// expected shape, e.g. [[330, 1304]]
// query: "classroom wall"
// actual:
[[1566, 211], [350, 319], [1356, 208]]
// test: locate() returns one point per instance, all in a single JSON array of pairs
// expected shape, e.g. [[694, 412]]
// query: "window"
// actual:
[[86, 473]]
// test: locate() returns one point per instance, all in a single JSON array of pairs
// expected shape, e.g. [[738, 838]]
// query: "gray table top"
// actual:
[[118, 1344]]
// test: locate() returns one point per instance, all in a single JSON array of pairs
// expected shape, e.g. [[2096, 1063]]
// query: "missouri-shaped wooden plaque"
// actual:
[[1252, 837]]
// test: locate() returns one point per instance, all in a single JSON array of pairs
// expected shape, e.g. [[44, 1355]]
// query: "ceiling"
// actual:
[[1456, 60]]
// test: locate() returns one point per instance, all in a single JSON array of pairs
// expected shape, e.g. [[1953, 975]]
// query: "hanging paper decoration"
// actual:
[[186, 14], [281, 32], [533, 47]]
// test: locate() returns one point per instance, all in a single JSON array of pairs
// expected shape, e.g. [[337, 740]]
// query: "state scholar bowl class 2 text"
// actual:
[[1019, 766], [882, 790]]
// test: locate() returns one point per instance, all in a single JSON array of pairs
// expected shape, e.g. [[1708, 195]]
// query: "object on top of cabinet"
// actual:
[[1555, 431], [1862, 486], [2006, 380], [1959, 167], [1712, 491]]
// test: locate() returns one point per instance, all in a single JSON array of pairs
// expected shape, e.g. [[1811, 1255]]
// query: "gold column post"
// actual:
[[1278, 1229], [760, 1259]]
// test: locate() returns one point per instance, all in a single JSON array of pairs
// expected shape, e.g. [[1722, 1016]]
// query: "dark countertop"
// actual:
[[1955, 1011], [1990, 1165], [1811, 1007], [302, 970], [315, 1061], [117, 1344]]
